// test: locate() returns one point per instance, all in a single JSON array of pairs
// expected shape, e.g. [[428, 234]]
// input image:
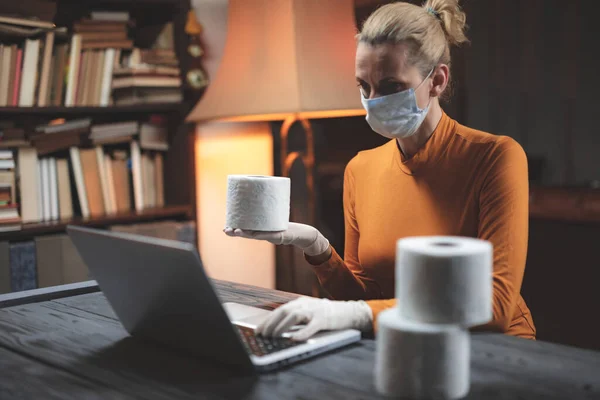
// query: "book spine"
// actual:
[[23, 273]]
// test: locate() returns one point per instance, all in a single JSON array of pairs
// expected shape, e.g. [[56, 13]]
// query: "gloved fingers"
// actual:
[[266, 327], [314, 326], [293, 318], [273, 237]]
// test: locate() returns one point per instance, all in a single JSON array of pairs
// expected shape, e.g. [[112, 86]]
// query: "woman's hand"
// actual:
[[318, 314], [305, 237]]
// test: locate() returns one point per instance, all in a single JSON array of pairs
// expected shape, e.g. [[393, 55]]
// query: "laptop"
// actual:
[[160, 292]]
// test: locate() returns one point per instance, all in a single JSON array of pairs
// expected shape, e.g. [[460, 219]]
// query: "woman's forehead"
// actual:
[[381, 58]]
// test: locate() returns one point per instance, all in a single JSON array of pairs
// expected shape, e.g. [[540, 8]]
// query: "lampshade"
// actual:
[[284, 57]]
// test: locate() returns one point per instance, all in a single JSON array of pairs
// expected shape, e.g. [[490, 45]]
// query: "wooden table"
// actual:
[[54, 345]]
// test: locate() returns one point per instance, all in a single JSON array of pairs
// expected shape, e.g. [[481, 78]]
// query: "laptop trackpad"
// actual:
[[245, 314]]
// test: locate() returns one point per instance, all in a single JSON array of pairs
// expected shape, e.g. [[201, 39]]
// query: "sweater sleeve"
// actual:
[[504, 221], [345, 279]]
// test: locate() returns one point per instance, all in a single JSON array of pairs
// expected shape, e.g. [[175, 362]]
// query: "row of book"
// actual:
[[9, 213], [75, 168], [94, 64], [51, 260]]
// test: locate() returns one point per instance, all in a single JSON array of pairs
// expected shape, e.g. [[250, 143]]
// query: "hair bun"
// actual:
[[452, 18]]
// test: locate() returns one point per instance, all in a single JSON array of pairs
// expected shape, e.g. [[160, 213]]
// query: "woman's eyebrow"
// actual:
[[392, 79]]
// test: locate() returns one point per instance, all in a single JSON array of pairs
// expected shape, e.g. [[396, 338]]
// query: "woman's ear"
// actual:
[[439, 79]]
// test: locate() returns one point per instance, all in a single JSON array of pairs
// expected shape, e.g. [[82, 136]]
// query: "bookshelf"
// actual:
[[145, 26], [56, 112]]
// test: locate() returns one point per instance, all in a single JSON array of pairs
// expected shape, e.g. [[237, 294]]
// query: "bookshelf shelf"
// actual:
[[31, 230], [90, 111]]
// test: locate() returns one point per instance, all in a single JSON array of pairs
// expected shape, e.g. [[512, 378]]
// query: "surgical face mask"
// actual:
[[397, 115]]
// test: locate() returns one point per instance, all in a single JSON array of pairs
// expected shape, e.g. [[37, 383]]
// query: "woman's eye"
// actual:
[[364, 89], [391, 88]]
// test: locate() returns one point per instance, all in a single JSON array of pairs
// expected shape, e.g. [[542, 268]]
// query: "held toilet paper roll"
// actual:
[[421, 361], [444, 280], [260, 203]]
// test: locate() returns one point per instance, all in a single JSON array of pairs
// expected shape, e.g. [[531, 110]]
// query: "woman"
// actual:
[[435, 177]]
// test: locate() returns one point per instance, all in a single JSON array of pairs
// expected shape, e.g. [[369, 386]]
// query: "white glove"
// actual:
[[305, 237], [319, 314]]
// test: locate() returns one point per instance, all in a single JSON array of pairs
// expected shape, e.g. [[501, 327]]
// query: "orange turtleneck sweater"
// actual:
[[461, 182]]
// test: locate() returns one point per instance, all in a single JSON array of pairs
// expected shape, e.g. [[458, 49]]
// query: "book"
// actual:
[[136, 172], [122, 16], [50, 143], [103, 36], [107, 44], [44, 79], [28, 22], [74, 61], [153, 137], [65, 201], [103, 180], [82, 79], [7, 180], [12, 75], [147, 70], [148, 180], [40, 189], [5, 66], [9, 212], [91, 179], [75, 124], [7, 164], [145, 81], [23, 274], [105, 89], [46, 195], [18, 74], [114, 130], [54, 207], [112, 196], [159, 180], [58, 75], [140, 95], [122, 181], [29, 79], [77, 172], [98, 77]]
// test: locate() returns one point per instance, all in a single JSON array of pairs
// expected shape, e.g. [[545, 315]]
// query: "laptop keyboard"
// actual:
[[260, 345]]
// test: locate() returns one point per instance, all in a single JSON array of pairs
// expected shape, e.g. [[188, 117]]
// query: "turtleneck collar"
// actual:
[[431, 151]]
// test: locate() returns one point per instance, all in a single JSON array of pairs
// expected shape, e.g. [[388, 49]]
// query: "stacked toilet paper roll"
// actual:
[[256, 202], [443, 287]]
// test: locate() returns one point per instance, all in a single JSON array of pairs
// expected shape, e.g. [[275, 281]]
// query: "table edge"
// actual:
[[48, 293]]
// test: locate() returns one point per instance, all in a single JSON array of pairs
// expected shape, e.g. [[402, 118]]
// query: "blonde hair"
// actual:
[[429, 30]]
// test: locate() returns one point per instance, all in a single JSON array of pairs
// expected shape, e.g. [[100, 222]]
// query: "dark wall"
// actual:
[[529, 72]]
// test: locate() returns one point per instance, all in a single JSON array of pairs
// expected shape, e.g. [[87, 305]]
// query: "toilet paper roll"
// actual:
[[421, 361], [260, 203], [444, 279]]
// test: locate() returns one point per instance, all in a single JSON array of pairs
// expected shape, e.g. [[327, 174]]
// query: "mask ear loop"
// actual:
[[415, 90]]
